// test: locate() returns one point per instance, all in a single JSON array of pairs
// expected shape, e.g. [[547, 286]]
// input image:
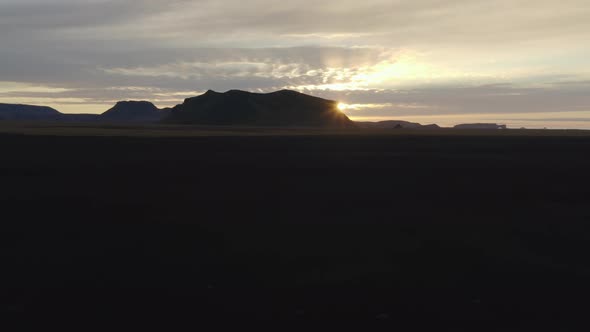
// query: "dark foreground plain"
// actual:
[[480, 231]]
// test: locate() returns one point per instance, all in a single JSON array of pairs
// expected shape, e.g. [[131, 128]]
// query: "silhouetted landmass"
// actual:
[[80, 118], [133, 111], [281, 108], [122, 112], [234, 108], [480, 126], [395, 124], [420, 232], [28, 112]]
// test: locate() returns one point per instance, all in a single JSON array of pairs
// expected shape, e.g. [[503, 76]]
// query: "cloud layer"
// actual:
[[388, 59]]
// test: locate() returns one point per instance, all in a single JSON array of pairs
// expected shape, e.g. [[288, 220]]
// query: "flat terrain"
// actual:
[[37, 128], [165, 226]]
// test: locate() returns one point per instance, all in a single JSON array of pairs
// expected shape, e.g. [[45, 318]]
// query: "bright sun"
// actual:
[[341, 106]]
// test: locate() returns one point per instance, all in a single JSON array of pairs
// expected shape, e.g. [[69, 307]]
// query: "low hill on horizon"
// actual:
[[281, 108], [123, 111], [133, 111], [395, 124], [28, 112], [486, 126]]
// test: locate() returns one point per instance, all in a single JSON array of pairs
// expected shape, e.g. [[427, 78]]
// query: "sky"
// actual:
[[525, 63]]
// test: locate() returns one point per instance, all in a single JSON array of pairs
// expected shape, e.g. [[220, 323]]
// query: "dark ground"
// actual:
[[432, 233]]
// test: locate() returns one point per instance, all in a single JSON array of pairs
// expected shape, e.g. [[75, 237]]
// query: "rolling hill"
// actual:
[[281, 108], [395, 124], [28, 112], [133, 111], [124, 111]]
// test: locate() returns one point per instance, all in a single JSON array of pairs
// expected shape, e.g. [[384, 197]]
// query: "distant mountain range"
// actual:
[[123, 111], [134, 111], [480, 126], [235, 107], [28, 112], [395, 124], [281, 108]]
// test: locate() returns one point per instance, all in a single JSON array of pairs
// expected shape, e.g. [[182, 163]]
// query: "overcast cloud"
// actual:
[[517, 61]]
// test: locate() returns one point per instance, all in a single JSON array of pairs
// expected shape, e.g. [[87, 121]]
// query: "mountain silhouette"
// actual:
[[28, 112], [133, 111], [124, 111], [480, 126], [281, 108], [395, 124]]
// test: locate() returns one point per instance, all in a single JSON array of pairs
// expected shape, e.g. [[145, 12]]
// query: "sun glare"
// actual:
[[341, 107]]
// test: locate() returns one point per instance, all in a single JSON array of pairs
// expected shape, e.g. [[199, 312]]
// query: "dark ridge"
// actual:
[[395, 124], [280, 108], [211, 92], [28, 112], [480, 126], [133, 111]]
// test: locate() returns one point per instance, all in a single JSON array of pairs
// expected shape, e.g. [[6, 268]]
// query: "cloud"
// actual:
[[420, 58], [500, 99]]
